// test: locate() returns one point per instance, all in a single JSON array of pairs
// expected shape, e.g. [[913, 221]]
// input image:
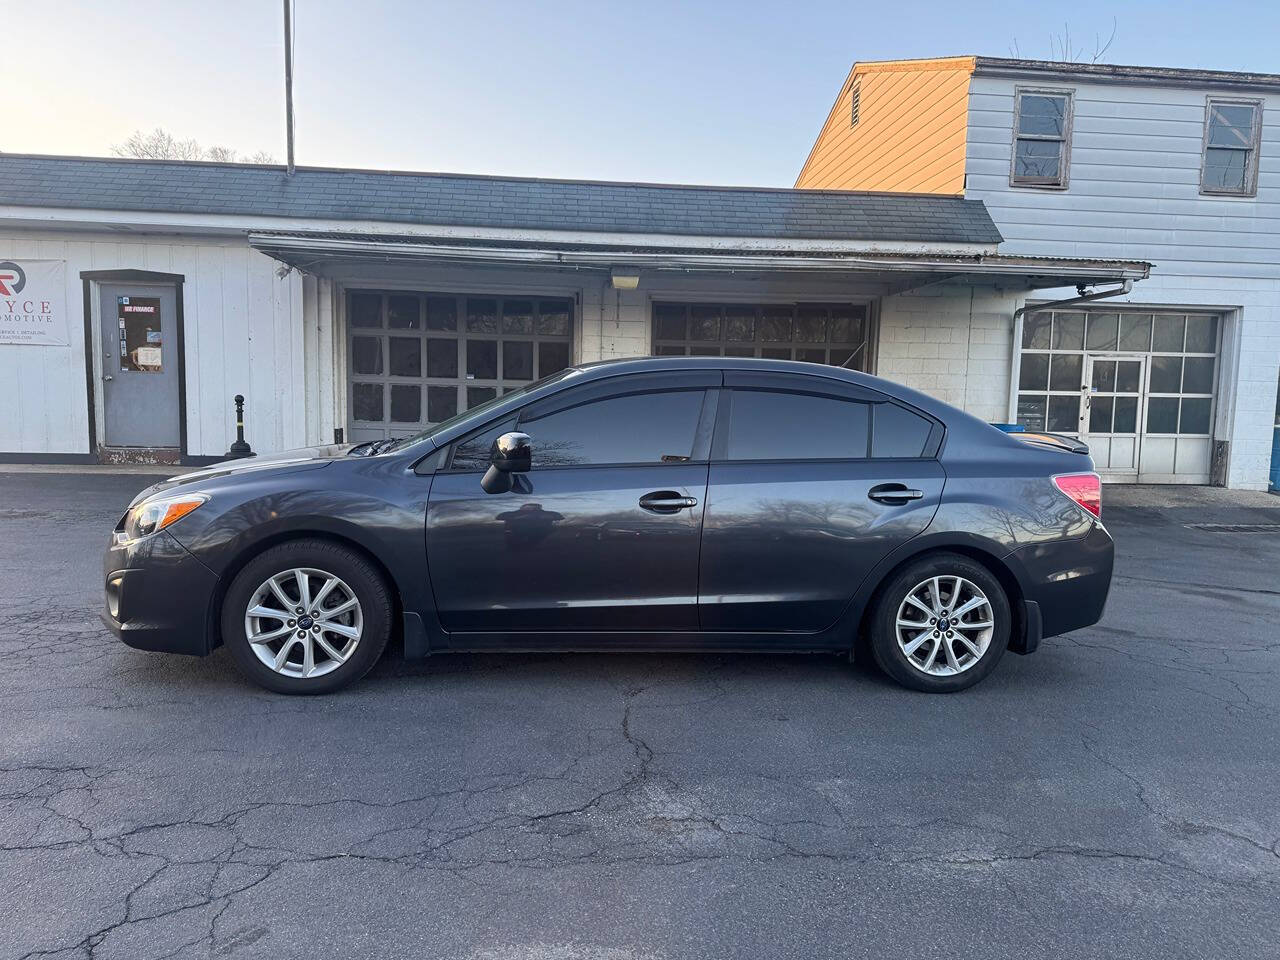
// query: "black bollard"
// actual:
[[240, 448]]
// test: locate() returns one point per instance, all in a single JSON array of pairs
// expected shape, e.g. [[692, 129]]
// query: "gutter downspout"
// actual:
[[1015, 368], [1126, 286]]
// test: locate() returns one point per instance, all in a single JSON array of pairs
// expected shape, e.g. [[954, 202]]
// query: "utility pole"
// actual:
[[288, 85]]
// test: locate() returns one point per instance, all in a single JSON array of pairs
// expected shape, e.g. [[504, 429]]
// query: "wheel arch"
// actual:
[[245, 554], [980, 553]]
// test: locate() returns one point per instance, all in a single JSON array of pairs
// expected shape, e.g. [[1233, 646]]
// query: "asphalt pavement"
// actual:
[[1113, 795]]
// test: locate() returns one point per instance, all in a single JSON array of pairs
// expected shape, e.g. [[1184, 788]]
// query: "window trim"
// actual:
[[1254, 149], [1064, 169]]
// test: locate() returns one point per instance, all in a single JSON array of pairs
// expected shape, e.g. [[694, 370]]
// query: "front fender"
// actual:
[[380, 508]]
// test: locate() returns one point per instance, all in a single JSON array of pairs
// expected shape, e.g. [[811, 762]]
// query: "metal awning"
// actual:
[[902, 270]]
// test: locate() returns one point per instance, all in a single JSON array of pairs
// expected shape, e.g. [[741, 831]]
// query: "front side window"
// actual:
[[771, 425], [472, 453], [1231, 137], [1041, 138], [633, 428]]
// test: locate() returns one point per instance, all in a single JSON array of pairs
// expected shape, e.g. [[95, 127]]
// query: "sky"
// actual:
[[696, 92]]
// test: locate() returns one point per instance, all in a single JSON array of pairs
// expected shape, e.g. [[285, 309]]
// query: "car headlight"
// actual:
[[152, 516]]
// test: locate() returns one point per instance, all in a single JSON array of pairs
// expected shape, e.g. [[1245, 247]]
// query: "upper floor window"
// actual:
[[1232, 132], [855, 98], [1041, 138]]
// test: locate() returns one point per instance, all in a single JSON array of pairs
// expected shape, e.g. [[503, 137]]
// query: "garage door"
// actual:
[[838, 333], [1137, 386], [414, 359]]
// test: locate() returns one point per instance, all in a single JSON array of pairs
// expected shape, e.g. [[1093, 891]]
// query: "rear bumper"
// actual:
[[158, 596], [1065, 582]]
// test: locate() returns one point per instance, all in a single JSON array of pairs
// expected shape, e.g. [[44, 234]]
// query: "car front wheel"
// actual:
[[306, 617], [940, 624]]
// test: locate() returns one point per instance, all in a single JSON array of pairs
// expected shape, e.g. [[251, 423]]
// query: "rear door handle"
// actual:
[[666, 501], [893, 493]]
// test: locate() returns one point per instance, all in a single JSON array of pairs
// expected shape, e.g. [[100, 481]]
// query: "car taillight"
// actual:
[[1084, 488]]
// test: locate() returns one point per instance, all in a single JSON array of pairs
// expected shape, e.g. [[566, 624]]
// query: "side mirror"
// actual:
[[510, 453]]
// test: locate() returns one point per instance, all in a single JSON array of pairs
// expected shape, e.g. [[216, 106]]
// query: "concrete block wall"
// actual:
[[613, 323], [954, 343]]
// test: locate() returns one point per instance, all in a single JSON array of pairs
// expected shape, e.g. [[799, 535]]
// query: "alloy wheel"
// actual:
[[944, 625], [303, 622]]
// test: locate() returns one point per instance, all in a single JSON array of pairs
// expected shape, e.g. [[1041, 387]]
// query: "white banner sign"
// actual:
[[33, 302]]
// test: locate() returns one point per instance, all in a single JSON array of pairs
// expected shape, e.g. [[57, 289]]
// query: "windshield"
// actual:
[[477, 411]]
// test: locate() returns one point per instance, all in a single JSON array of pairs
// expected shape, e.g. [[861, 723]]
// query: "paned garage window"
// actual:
[[415, 359], [1167, 388], [839, 334]]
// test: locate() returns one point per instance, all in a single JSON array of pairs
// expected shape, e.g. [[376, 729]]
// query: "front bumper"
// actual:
[[158, 596], [1067, 580]]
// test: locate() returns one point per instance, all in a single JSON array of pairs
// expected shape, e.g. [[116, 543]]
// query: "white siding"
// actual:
[[243, 328], [1134, 194]]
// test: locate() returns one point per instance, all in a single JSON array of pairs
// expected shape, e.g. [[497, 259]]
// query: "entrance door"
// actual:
[[140, 366], [1111, 414]]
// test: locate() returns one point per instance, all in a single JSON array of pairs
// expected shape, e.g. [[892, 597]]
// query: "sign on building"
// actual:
[[33, 306]]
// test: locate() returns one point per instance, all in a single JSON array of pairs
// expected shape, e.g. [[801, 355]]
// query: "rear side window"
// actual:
[[634, 428], [770, 425], [899, 432]]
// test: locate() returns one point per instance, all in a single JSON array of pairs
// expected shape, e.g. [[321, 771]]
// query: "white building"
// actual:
[[1176, 380], [143, 296]]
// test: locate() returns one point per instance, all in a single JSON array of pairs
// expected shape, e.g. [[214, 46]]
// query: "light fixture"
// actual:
[[624, 279]]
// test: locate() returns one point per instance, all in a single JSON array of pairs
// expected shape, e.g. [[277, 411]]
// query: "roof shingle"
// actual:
[[462, 200]]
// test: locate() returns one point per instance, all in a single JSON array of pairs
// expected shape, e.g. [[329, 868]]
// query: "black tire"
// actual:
[[890, 656], [358, 577]]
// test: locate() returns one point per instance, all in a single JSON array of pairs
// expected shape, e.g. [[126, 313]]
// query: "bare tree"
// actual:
[[220, 154], [1063, 48], [160, 144]]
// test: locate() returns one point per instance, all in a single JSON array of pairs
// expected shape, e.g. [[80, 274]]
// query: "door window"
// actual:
[[633, 428], [771, 425], [899, 433], [1112, 402]]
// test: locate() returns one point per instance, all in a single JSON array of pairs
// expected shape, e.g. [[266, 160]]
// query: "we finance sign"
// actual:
[[33, 302]]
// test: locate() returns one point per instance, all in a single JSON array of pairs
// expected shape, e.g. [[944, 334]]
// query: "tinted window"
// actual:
[[898, 432], [768, 425], [472, 453], [636, 428]]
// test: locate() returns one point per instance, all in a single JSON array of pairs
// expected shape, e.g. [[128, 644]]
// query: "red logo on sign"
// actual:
[[12, 279]]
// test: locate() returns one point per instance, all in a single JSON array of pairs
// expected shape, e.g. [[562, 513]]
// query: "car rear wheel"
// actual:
[[940, 624], [306, 617]]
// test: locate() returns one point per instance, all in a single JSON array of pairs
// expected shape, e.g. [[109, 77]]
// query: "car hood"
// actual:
[[285, 461]]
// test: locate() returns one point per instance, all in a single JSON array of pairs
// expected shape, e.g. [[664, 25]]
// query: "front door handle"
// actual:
[[893, 493], [666, 501]]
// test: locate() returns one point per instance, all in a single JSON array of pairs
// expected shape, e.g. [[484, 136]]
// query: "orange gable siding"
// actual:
[[910, 135]]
